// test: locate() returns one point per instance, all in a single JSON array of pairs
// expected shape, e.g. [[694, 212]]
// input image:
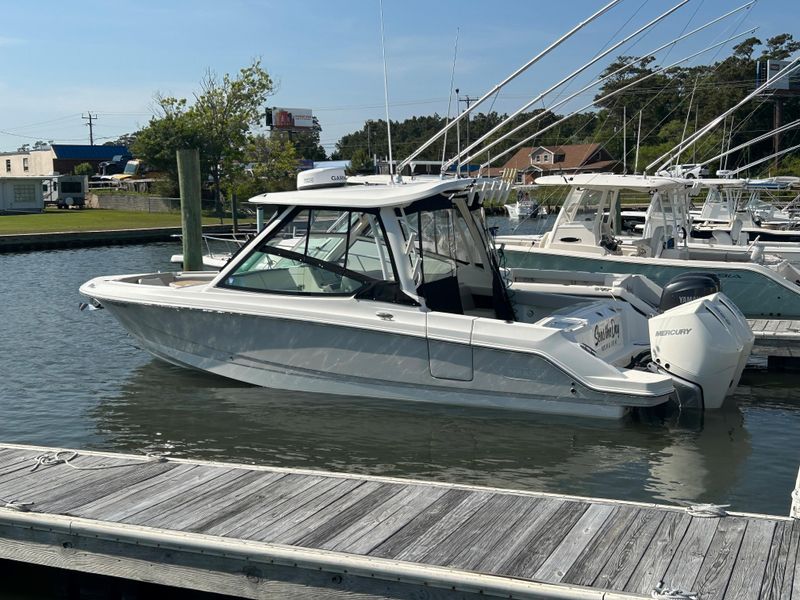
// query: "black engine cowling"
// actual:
[[687, 287]]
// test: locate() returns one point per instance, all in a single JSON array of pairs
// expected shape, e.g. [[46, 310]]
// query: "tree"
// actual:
[[217, 123], [307, 144], [361, 163], [84, 168]]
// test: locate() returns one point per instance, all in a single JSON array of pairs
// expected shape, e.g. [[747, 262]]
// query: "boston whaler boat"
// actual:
[[583, 238], [394, 291]]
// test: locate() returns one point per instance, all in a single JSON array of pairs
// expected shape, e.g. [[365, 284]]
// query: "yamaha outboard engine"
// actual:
[[687, 287]]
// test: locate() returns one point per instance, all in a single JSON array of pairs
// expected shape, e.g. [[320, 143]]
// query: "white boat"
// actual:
[[394, 291], [522, 209], [584, 238]]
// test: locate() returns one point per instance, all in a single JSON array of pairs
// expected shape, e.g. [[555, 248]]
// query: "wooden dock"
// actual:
[[777, 345], [261, 532]]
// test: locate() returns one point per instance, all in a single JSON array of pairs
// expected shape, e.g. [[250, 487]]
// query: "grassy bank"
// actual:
[[54, 220]]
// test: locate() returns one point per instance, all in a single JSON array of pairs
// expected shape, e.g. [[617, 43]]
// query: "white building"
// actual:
[[21, 194]]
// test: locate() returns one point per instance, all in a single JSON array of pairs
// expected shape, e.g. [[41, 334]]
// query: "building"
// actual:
[[555, 160], [21, 194], [57, 159]]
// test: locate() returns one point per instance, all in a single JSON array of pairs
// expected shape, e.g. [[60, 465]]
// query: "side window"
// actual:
[[24, 164], [317, 251], [8, 165]]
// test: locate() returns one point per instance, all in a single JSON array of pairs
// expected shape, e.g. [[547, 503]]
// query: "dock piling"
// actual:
[[191, 216], [795, 510]]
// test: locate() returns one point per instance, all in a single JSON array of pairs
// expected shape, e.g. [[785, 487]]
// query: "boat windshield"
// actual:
[[317, 251]]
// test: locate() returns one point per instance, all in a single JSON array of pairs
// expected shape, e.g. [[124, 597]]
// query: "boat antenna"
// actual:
[[386, 97], [450, 99]]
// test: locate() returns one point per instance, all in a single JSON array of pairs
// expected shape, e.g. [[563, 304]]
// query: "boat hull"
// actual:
[[317, 357]]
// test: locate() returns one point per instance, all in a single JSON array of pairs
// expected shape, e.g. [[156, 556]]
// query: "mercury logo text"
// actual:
[[686, 331]]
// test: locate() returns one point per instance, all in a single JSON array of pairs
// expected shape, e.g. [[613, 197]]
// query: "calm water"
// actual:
[[75, 379]]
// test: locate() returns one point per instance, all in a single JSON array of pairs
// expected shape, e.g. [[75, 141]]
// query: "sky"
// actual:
[[63, 60]]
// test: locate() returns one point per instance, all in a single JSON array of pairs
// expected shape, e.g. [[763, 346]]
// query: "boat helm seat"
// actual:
[[657, 241]]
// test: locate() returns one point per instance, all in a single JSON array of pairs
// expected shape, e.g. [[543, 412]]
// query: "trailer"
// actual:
[[66, 191]]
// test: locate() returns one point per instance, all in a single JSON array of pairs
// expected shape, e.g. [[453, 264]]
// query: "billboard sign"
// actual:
[[292, 118], [768, 69]]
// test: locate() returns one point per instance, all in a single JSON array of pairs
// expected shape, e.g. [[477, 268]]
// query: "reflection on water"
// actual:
[[206, 416], [75, 379]]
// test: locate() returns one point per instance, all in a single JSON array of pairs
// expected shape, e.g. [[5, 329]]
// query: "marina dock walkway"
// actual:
[[777, 344], [259, 532]]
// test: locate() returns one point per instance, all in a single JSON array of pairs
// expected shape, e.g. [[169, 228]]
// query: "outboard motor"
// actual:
[[687, 287], [703, 344]]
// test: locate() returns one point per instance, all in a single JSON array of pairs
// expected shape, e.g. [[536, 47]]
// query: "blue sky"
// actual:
[[63, 59]]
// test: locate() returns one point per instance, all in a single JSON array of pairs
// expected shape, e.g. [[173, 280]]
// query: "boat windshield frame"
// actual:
[[262, 244]]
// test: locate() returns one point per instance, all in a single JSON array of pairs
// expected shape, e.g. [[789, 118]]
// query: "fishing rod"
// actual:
[[760, 138], [692, 139], [602, 80], [761, 160], [591, 104], [507, 80], [566, 79]]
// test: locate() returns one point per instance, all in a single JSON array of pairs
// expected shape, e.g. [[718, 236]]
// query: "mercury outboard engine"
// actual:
[[702, 343], [687, 287]]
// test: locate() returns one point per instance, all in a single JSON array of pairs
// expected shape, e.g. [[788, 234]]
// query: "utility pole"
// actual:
[[91, 118]]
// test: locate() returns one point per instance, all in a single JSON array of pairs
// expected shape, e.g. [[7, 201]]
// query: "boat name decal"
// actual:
[[663, 332], [606, 334]]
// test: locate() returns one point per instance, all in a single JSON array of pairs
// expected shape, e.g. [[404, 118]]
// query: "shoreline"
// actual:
[[24, 242]]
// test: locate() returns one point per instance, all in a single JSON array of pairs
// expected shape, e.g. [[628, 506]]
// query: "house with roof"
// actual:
[[531, 163], [58, 159]]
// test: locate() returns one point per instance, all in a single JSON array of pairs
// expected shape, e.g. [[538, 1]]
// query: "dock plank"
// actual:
[[44, 483], [338, 515], [65, 503], [419, 524], [793, 588], [715, 572], [91, 510], [596, 554], [512, 545], [629, 551], [579, 537], [381, 523], [442, 528], [536, 549], [494, 533], [771, 586], [135, 503], [682, 572], [205, 501], [653, 565], [468, 533], [747, 574], [277, 508], [337, 498]]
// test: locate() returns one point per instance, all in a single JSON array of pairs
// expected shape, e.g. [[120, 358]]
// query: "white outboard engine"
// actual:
[[704, 345]]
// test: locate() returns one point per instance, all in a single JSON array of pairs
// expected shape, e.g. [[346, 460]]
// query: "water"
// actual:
[[75, 379]]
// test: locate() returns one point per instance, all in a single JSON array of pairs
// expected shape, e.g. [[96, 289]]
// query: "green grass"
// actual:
[[53, 220]]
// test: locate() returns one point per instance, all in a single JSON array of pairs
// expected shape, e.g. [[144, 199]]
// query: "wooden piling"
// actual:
[[191, 215]]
